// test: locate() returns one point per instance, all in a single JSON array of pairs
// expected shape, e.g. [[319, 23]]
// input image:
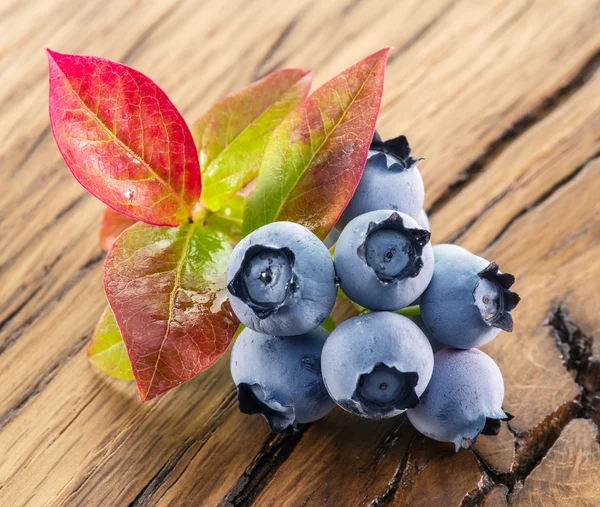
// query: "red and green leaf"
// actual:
[[107, 350], [123, 139], [228, 219], [166, 287], [316, 156], [113, 224], [232, 136]]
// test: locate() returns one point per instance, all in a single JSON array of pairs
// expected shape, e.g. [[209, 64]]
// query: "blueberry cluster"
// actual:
[[283, 283]]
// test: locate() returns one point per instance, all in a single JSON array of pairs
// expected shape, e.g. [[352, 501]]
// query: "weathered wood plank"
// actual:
[[466, 79], [568, 475]]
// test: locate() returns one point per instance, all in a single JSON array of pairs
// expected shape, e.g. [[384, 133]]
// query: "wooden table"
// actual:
[[501, 97]]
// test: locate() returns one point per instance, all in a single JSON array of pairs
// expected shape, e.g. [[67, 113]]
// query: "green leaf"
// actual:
[[107, 350], [328, 324], [167, 289], [232, 135], [315, 158], [228, 219]]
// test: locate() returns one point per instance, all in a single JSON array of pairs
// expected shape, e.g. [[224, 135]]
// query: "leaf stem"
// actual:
[[408, 311]]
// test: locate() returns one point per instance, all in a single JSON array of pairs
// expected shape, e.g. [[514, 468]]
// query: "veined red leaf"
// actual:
[[232, 136], [123, 139], [107, 350], [113, 224], [316, 156], [166, 287]]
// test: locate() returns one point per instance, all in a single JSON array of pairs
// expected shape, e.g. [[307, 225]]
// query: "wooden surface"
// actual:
[[501, 97]]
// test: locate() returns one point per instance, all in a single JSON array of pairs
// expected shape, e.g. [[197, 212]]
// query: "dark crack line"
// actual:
[[39, 140], [12, 315], [210, 428], [161, 476], [422, 32], [265, 464], [79, 275], [274, 48], [495, 479], [41, 383], [146, 34], [576, 352], [518, 128], [542, 198], [388, 495]]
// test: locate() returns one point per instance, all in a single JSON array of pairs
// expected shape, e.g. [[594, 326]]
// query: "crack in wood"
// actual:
[[494, 479], [161, 476], [211, 426], [540, 200], [274, 48], [265, 464], [12, 315], [388, 495], [146, 34], [39, 140], [518, 128], [575, 348], [89, 265], [41, 383], [576, 353], [422, 32]]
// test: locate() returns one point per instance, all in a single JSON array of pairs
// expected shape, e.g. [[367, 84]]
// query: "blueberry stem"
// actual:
[[408, 311]]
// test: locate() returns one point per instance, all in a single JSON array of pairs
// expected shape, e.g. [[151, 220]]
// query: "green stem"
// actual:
[[409, 311]]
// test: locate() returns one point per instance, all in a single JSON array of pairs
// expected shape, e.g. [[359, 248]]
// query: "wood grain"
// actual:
[[502, 98], [568, 474]]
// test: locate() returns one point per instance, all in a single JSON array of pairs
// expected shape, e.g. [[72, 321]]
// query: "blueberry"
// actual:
[[377, 365], [423, 220], [281, 280], [463, 399], [445, 251], [435, 345], [383, 260], [390, 180], [280, 377], [467, 302]]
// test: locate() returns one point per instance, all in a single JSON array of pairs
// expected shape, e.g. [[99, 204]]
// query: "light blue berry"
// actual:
[[377, 365], [281, 280], [280, 377]]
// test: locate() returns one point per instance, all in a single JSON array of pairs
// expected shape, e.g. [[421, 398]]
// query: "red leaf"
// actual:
[[113, 224], [316, 156], [123, 139], [166, 287]]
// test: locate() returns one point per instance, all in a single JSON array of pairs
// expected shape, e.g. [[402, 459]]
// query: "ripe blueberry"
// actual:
[[280, 377], [281, 280], [390, 180], [448, 251], [383, 260], [423, 220], [435, 345], [377, 365], [467, 302], [463, 399]]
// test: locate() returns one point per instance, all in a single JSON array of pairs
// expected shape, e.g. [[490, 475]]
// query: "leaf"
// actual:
[[107, 350], [233, 134], [113, 224], [315, 158], [166, 287], [123, 139], [228, 219], [328, 324]]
